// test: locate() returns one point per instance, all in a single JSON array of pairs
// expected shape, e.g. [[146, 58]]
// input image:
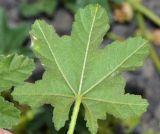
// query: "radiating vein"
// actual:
[[114, 69], [114, 102], [71, 88], [87, 49], [59, 95]]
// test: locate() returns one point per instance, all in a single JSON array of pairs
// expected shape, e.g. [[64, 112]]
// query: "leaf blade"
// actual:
[[84, 36], [50, 48], [109, 97], [14, 70], [57, 94], [94, 74], [8, 113], [130, 57]]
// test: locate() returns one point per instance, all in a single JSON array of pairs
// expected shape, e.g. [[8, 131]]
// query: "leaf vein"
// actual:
[[86, 52], [118, 103], [71, 88], [117, 67], [59, 95]]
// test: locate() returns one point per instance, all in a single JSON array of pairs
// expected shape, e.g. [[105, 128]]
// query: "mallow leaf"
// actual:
[[76, 69], [8, 113], [14, 70], [11, 39]]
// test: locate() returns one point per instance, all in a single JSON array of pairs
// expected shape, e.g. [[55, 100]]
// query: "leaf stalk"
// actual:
[[75, 114]]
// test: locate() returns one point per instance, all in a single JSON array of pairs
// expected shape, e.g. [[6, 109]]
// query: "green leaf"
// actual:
[[75, 67], [8, 113], [11, 39], [14, 70], [39, 6]]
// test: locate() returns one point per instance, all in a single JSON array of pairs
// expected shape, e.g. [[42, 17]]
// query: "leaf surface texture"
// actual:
[[76, 66], [14, 69], [8, 113]]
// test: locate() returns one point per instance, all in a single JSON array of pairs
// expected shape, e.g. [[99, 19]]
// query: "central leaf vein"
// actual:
[[86, 52]]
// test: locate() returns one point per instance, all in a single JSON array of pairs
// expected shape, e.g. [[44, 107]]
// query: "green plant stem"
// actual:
[[74, 115], [155, 59], [145, 11], [141, 24], [153, 54]]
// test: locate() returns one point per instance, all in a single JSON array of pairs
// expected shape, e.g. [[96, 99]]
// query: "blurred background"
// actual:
[[127, 18]]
